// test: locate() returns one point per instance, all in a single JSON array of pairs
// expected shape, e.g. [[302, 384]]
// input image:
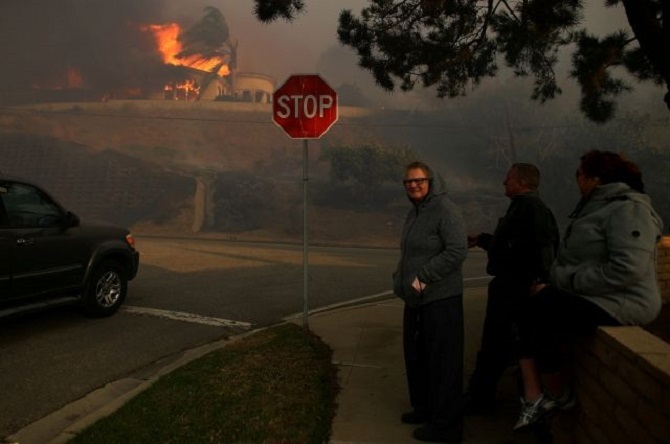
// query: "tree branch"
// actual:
[[653, 37]]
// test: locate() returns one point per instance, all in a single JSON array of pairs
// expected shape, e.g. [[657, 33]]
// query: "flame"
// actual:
[[187, 90], [167, 39]]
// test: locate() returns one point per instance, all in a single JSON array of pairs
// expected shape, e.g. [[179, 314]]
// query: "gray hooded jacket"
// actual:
[[433, 248], [608, 254]]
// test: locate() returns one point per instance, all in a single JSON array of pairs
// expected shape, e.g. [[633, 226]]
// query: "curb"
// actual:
[[62, 425]]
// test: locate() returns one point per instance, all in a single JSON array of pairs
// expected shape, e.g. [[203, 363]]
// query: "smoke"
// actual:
[[45, 41], [99, 44]]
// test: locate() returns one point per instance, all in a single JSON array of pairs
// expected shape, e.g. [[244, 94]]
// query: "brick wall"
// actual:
[[622, 380], [663, 265]]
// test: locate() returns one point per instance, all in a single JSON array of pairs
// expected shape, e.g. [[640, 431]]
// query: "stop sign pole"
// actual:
[[305, 107]]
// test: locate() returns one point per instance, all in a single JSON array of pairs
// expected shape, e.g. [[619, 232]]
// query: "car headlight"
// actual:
[[130, 240]]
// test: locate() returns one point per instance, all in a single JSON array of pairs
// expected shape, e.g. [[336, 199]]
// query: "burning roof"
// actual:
[[170, 47]]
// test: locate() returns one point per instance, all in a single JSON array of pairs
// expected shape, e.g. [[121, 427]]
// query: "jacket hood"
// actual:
[[604, 194], [437, 188]]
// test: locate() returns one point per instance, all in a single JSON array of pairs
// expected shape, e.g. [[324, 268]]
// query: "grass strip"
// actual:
[[275, 386]]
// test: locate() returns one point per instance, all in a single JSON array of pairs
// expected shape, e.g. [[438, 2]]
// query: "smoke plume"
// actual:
[[93, 44]]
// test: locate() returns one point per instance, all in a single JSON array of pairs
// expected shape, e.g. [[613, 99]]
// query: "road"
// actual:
[[188, 293]]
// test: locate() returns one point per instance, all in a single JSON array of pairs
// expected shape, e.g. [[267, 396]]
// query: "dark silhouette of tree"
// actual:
[[270, 10], [454, 44], [210, 39]]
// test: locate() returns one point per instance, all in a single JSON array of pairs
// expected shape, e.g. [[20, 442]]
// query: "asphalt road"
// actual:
[[187, 293]]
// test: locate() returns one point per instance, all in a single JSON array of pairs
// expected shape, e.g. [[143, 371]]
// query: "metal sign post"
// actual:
[[305, 236], [305, 107]]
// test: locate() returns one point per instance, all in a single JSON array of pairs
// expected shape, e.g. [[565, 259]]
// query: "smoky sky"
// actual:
[[42, 40], [101, 39]]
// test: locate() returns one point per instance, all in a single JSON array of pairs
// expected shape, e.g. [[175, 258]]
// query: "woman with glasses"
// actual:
[[605, 274], [429, 279]]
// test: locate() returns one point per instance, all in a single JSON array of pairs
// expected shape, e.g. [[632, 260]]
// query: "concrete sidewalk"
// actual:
[[367, 344]]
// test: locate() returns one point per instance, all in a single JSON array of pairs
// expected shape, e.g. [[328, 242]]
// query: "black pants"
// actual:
[[499, 344], [433, 345], [554, 317]]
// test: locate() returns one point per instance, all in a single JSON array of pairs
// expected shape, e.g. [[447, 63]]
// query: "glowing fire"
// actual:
[[169, 46], [188, 90]]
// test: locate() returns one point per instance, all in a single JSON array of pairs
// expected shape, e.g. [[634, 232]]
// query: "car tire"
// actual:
[[106, 289]]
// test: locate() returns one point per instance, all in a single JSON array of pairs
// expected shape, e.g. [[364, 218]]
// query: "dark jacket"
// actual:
[[433, 247], [525, 241]]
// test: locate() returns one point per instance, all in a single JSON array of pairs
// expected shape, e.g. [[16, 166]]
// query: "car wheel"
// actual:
[[106, 289]]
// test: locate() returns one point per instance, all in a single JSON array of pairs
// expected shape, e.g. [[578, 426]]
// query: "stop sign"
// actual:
[[305, 106]]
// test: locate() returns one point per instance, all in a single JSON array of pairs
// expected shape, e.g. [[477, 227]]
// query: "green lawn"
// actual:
[[277, 385]]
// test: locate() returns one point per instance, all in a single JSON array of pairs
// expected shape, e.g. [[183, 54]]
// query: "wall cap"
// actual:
[[650, 352]]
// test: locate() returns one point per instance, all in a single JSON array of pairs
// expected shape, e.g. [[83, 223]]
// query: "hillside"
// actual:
[[210, 167]]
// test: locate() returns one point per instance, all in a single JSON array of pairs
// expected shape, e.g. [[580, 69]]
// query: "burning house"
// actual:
[[233, 87], [208, 77], [125, 57]]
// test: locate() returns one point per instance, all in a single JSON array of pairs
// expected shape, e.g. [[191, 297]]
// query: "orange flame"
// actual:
[[167, 39], [187, 90]]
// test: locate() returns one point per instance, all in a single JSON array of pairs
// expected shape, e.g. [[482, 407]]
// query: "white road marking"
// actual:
[[186, 317], [217, 322]]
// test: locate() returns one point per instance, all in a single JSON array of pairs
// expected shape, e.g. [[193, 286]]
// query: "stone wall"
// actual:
[[99, 186]]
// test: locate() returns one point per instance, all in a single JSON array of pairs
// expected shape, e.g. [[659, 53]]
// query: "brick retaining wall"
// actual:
[[622, 380], [663, 265]]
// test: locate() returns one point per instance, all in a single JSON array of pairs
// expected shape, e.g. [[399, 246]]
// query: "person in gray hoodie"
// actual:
[[429, 279], [605, 274]]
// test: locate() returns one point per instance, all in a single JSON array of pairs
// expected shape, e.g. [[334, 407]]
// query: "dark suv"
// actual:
[[48, 258]]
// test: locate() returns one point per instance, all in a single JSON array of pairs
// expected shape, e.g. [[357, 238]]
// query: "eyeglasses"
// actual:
[[419, 181]]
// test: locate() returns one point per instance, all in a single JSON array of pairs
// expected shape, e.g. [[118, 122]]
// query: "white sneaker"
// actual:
[[532, 412]]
